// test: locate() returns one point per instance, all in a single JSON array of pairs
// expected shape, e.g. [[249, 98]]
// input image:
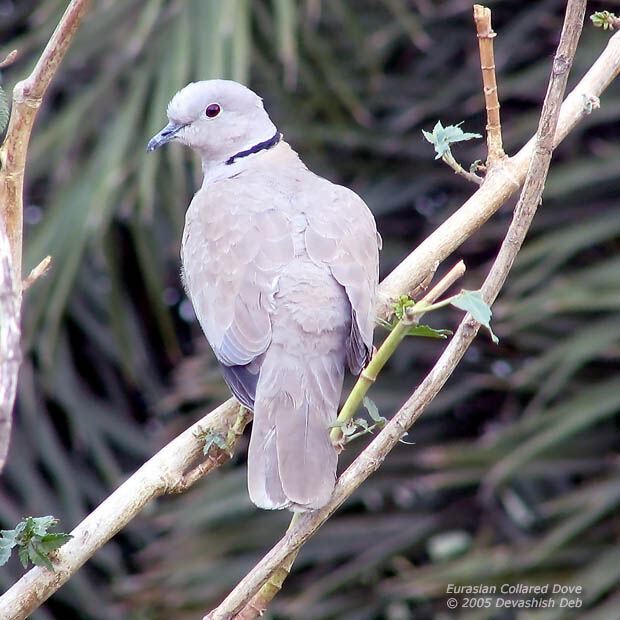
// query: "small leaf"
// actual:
[[40, 525], [442, 137], [37, 557], [49, 542], [604, 19], [6, 546], [428, 332], [363, 424], [475, 165], [472, 302], [22, 552], [401, 304], [9, 535], [348, 428], [373, 412], [214, 439]]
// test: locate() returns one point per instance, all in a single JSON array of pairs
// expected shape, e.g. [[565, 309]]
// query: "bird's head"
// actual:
[[216, 118]]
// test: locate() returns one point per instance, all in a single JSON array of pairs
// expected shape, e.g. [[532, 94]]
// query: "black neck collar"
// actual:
[[261, 146]]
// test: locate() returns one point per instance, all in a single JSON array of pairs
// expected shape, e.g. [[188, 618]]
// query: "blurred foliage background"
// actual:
[[514, 476]]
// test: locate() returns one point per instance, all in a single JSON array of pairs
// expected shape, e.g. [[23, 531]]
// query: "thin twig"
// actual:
[[482, 18], [371, 458], [10, 58], [448, 158], [37, 272]]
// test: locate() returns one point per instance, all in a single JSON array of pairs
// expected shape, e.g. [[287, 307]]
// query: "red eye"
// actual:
[[213, 109]]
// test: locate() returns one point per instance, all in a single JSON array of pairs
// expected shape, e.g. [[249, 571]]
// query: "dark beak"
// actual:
[[165, 135]]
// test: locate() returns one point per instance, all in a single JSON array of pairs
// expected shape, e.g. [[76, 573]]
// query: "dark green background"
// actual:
[[514, 476]]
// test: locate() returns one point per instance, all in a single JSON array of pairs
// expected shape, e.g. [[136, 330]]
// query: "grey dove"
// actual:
[[281, 267]]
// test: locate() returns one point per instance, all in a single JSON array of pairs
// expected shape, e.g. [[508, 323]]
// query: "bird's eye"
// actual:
[[213, 109]]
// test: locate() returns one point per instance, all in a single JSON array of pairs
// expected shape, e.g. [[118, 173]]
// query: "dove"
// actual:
[[281, 266]]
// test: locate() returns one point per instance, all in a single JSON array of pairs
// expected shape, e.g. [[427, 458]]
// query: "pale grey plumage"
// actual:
[[282, 268]]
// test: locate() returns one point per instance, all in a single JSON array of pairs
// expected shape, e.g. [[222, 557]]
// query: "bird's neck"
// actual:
[[241, 160], [256, 148]]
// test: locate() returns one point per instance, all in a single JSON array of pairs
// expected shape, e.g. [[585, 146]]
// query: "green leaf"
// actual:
[[373, 412], [472, 302], [33, 541], [426, 331], [39, 525], [363, 424], [22, 552], [49, 542], [6, 546], [348, 428], [604, 20], [10, 535], [442, 137], [214, 439], [401, 305], [475, 165], [36, 556]]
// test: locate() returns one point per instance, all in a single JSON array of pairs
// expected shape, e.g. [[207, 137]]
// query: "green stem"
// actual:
[[369, 374], [423, 307]]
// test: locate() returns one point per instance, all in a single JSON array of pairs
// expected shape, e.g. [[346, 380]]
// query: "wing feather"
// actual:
[[343, 235], [232, 257]]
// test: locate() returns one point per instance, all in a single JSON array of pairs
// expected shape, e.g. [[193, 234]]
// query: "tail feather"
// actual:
[[291, 461], [263, 480]]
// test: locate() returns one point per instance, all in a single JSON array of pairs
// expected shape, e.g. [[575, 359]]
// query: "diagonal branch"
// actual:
[[372, 457]]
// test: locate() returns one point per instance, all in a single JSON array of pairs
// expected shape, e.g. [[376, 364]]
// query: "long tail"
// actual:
[[291, 460]]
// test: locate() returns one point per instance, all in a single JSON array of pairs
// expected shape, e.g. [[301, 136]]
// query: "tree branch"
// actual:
[[500, 182], [482, 19], [27, 97], [372, 457], [159, 475], [10, 351]]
